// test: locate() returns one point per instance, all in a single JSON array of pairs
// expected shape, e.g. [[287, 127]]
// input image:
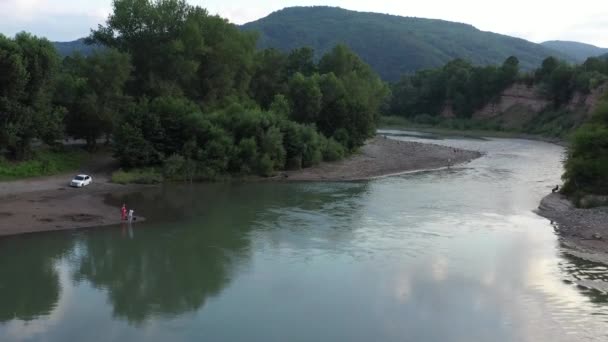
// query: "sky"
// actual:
[[534, 20]]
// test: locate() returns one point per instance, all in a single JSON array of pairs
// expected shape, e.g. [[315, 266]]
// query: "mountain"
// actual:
[[393, 45], [578, 51], [67, 48]]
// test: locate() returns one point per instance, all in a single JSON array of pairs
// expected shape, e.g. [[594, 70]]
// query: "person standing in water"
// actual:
[[123, 212], [131, 213]]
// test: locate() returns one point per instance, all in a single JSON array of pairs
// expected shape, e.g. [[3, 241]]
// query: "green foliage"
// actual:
[[137, 176], [301, 60], [193, 75], [552, 123], [459, 85], [270, 76], [179, 49], [305, 97], [462, 89], [587, 162], [28, 66], [280, 106], [393, 45], [91, 88], [184, 96], [332, 150], [43, 163]]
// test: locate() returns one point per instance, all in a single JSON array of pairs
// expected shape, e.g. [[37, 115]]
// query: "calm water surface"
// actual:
[[453, 255]]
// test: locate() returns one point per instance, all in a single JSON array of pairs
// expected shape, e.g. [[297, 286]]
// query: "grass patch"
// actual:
[[45, 163], [137, 176]]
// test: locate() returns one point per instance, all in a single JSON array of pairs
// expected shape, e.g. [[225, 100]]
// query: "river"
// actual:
[[450, 255]]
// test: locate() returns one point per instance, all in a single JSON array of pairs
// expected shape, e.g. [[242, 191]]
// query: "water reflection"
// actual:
[[589, 277], [153, 270], [165, 268], [29, 283], [455, 255]]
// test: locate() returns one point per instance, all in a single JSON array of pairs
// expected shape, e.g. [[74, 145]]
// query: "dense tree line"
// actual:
[[465, 88], [187, 92], [560, 80], [459, 84]]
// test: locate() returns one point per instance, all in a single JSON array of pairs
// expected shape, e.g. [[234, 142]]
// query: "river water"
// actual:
[[452, 255]]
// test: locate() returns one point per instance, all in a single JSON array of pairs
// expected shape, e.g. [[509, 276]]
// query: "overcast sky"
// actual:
[[535, 20]]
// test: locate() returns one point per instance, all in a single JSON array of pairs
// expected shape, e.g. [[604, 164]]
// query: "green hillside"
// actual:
[[393, 45], [576, 50], [67, 48]]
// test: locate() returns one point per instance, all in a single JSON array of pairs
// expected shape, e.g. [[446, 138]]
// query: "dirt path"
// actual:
[[383, 156]]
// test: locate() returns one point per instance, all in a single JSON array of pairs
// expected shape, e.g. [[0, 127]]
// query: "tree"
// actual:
[[509, 71], [305, 97], [178, 49], [301, 61], [270, 76], [587, 162], [28, 66], [92, 90]]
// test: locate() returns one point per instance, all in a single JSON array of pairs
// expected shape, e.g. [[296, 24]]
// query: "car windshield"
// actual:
[[79, 178]]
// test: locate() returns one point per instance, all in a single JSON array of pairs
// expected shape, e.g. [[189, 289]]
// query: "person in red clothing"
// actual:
[[123, 212]]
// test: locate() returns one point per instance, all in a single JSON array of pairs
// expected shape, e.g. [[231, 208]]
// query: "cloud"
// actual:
[[57, 20], [585, 21]]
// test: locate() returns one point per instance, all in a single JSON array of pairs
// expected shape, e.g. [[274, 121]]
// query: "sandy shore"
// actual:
[[382, 157], [584, 232], [47, 204]]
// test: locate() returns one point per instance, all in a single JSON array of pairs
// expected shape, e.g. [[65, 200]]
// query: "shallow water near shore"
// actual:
[[449, 255]]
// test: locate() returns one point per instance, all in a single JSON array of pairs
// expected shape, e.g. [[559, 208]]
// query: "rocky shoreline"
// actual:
[[584, 232]]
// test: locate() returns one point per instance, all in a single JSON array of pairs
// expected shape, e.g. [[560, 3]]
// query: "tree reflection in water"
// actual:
[[29, 283], [187, 251], [193, 244], [167, 268], [591, 278]]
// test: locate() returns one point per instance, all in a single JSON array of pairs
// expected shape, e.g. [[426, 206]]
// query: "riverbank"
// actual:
[[48, 204], [401, 124], [382, 156], [584, 232]]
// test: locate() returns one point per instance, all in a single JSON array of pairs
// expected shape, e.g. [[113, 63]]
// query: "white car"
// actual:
[[81, 180]]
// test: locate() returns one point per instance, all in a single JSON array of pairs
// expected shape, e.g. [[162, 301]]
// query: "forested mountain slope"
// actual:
[[579, 51], [393, 45], [67, 48]]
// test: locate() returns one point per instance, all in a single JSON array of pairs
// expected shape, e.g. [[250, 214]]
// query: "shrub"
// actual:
[[265, 166], [333, 150], [137, 176]]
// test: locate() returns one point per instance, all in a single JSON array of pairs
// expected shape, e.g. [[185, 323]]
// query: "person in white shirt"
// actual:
[[131, 213]]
